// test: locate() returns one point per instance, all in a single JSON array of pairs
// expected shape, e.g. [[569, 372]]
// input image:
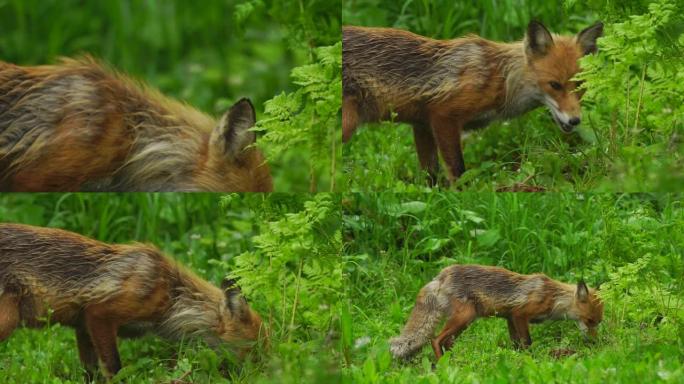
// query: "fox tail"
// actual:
[[430, 308]]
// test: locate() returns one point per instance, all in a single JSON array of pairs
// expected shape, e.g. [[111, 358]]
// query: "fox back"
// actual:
[[80, 126]]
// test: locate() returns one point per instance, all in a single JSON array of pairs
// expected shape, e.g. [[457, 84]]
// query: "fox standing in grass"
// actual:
[[102, 290], [443, 87], [78, 126], [463, 293]]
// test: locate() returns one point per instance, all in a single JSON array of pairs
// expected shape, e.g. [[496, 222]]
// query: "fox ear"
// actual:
[[237, 305], [582, 292], [538, 39], [587, 38], [232, 135]]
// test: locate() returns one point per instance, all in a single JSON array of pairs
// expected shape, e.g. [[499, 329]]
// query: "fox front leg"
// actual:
[[86, 352], [447, 132], [427, 151], [103, 334], [522, 329]]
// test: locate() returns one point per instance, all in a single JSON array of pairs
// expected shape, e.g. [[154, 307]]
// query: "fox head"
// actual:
[[232, 163], [553, 60], [588, 309], [239, 326]]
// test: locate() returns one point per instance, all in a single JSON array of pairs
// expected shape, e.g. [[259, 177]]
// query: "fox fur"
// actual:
[[442, 87], [102, 290], [79, 126], [463, 293]]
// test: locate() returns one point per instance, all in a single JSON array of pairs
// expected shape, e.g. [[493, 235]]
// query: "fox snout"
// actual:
[[567, 118]]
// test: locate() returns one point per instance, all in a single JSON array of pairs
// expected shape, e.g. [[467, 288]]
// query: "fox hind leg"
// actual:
[[9, 314], [462, 315]]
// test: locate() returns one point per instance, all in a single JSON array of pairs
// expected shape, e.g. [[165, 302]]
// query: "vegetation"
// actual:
[[209, 54], [284, 248], [632, 245], [631, 135]]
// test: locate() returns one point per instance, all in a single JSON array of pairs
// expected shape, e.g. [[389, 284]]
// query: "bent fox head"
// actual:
[[239, 326], [588, 309], [232, 159], [553, 59]]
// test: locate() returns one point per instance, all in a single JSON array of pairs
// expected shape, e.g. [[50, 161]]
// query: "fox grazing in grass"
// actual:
[[102, 290], [463, 293], [443, 87], [78, 126]]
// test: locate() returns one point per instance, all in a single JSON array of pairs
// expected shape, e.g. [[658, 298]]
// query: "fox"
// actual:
[[445, 87], [80, 126], [463, 293], [53, 276]]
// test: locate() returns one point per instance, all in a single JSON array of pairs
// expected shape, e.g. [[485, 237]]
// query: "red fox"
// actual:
[[78, 126], [463, 293], [443, 87], [103, 290]]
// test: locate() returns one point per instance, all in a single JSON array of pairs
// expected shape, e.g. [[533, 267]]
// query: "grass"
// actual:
[[195, 230], [528, 153], [629, 244]]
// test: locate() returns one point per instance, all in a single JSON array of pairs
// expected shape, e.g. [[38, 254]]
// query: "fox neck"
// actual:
[[564, 306], [194, 309], [521, 91]]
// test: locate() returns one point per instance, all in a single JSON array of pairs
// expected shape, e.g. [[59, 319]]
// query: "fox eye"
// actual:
[[555, 85]]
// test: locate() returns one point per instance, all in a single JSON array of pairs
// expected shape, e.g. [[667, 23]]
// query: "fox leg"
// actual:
[[447, 132], [350, 117], [513, 333], [9, 314], [522, 329], [103, 332], [86, 352], [462, 315], [427, 151]]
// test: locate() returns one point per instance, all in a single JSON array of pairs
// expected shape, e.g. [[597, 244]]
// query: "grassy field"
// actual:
[[208, 54], [632, 245], [630, 138], [213, 235]]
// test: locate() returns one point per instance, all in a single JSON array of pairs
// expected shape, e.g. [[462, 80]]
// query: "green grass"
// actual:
[[205, 232], [529, 152], [631, 244]]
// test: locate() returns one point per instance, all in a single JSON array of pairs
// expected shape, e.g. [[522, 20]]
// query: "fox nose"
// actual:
[[574, 121]]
